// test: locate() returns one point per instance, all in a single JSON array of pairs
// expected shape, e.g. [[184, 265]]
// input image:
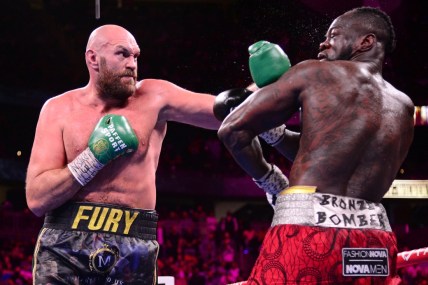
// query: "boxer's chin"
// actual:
[[124, 92], [322, 57]]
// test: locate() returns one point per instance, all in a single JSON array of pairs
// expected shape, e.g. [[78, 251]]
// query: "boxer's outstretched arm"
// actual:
[[49, 183], [184, 106]]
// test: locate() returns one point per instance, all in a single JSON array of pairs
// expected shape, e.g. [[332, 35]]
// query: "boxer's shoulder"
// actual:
[[152, 85], [163, 93], [58, 105], [334, 67]]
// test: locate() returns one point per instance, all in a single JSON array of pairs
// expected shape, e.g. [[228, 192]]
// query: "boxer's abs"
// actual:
[[129, 193]]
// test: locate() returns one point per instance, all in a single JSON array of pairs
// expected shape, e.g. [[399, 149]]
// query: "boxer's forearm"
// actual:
[[289, 146], [50, 190], [246, 151]]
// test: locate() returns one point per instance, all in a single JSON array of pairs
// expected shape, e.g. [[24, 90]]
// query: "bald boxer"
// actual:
[[93, 164], [329, 226]]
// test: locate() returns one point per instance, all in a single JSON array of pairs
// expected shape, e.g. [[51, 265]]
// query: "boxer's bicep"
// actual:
[[48, 151], [189, 107], [265, 109]]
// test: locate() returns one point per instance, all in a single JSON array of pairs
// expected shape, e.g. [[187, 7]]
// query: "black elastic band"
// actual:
[[104, 218]]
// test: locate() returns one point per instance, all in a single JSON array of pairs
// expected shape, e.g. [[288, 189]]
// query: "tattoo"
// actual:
[[339, 123]]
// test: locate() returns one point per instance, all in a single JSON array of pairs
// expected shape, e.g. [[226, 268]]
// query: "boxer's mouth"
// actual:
[[322, 56]]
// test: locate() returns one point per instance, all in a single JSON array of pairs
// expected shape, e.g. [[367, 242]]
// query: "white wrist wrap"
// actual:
[[84, 167], [271, 199], [273, 182], [274, 136]]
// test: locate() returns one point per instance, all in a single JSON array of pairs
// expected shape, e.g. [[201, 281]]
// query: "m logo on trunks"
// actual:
[[96, 218], [365, 262], [103, 259]]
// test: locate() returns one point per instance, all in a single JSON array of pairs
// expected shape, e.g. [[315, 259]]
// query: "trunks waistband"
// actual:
[[301, 205], [103, 218]]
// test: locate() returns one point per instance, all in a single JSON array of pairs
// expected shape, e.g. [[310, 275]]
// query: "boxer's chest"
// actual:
[[80, 126]]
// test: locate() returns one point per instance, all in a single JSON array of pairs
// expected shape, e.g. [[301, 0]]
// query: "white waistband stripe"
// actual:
[[327, 210]]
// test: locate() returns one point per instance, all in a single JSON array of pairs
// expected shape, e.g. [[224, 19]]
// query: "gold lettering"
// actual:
[[129, 220], [113, 220], [80, 216], [93, 225]]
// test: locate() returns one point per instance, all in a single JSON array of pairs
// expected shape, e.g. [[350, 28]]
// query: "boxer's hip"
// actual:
[[301, 205], [88, 243]]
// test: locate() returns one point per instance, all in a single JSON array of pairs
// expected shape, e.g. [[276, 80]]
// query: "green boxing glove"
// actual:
[[111, 138], [267, 63]]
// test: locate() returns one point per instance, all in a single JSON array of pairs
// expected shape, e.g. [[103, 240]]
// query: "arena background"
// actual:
[[200, 45]]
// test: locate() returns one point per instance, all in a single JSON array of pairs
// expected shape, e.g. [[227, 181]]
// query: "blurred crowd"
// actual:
[[202, 47], [196, 248]]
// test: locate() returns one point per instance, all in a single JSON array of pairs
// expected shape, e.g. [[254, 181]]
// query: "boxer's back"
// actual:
[[356, 132]]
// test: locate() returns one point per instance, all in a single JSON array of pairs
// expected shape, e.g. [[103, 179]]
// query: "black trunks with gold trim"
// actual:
[[103, 218]]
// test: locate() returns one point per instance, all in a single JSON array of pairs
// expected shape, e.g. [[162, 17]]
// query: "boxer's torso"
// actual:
[[356, 131], [128, 180]]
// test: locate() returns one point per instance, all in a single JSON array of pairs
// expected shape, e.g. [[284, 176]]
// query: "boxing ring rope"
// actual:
[[412, 257]]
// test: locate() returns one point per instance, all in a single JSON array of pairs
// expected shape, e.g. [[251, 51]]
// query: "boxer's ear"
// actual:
[[367, 42], [92, 59]]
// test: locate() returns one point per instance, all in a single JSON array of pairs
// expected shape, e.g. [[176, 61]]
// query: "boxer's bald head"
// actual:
[[110, 35], [111, 58]]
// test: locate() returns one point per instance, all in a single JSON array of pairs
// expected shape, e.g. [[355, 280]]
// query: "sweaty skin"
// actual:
[[66, 122], [356, 127]]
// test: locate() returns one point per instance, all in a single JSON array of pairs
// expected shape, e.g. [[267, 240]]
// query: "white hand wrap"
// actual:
[[273, 182], [274, 136], [85, 166], [271, 200]]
